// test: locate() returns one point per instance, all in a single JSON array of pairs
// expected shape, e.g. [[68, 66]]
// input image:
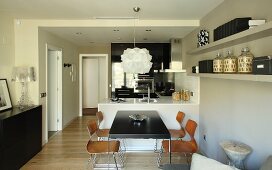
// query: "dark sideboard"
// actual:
[[20, 136]]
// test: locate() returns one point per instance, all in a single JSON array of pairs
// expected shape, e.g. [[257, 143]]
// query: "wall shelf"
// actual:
[[247, 77], [258, 32]]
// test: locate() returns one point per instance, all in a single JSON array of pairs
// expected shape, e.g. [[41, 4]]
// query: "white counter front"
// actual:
[[165, 106]]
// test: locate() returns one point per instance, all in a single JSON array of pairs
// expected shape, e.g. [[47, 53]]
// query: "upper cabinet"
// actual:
[[160, 52], [242, 37]]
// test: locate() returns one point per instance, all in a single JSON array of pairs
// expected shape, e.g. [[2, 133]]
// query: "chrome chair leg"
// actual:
[[89, 164], [121, 155], [159, 158], [156, 146], [115, 161], [124, 144]]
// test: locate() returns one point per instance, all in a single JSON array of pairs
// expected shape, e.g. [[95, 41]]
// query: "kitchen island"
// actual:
[[165, 106]]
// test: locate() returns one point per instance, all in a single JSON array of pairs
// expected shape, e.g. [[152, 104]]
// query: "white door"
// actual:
[[90, 82], [52, 93]]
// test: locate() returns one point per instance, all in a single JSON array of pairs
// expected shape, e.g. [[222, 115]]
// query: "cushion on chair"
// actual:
[[200, 162]]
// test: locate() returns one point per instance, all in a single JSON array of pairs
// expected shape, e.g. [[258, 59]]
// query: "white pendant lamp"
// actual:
[[136, 60]]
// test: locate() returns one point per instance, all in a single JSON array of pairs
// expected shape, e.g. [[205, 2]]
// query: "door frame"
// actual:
[[81, 56], [59, 86]]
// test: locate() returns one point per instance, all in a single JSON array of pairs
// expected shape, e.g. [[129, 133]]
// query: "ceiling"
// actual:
[[111, 9]]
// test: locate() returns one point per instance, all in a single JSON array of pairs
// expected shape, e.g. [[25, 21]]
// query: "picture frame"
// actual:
[[5, 102]]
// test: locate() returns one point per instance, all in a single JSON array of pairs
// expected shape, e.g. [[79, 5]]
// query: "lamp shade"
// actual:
[[23, 74], [136, 60]]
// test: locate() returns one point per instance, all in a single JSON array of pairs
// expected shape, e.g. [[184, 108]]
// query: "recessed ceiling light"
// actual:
[[78, 33], [148, 30]]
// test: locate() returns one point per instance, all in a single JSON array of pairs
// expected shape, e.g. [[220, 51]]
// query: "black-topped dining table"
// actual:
[[150, 128]]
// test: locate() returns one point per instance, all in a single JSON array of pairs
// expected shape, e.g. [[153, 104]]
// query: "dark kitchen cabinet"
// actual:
[[20, 136], [160, 52]]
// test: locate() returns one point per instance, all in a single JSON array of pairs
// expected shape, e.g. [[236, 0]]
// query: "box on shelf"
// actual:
[[232, 27], [205, 66], [256, 22], [262, 65]]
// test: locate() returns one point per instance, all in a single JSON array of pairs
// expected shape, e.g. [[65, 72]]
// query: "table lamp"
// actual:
[[23, 75]]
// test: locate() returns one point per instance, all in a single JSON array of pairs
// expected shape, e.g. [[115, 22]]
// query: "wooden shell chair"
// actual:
[[180, 146], [104, 133], [101, 133], [176, 133], [101, 147]]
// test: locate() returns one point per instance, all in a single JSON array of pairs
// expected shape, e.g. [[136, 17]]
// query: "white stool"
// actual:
[[236, 152]]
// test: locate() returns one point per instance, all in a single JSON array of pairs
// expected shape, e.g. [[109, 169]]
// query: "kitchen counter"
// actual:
[[165, 106], [160, 100]]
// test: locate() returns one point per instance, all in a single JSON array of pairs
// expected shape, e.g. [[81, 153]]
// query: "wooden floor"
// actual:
[[67, 151], [89, 111]]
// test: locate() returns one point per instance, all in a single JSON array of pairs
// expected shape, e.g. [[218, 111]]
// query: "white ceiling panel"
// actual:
[[90, 9]]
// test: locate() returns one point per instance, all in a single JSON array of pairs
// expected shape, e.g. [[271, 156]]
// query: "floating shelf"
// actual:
[[247, 77], [258, 32]]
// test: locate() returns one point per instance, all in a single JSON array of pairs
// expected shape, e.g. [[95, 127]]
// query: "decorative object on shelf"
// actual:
[[239, 38], [138, 117], [5, 102], [203, 38], [205, 66], [262, 65], [230, 63], [218, 64], [232, 27], [24, 75], [236, 152], [245, 61], [136, 60]]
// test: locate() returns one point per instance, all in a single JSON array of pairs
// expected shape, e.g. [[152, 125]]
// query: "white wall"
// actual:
[[7, 51], [182, 81], [69, 89], [233, 109], [236, 110]]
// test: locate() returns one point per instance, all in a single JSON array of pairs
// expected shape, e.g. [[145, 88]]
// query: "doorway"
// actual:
[[93, 82], [54, 90]]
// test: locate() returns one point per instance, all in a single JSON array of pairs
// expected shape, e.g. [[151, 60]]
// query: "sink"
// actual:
[[146, 100]]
